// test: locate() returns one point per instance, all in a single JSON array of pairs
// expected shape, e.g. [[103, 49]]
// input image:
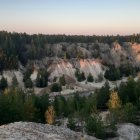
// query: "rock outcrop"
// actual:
[[127, 131], [34, 131]]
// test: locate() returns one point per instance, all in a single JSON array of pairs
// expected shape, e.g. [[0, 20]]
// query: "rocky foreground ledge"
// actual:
[[36, 131]]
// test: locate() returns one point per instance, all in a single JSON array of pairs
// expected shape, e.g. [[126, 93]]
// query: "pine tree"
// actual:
[[3, 83], [102, 96], [42, 78], [90, 78], [14, 81], [28, 83], [114, 101], [62, 80], [29, 109], [80, 75], [94, 126], [50, 115]]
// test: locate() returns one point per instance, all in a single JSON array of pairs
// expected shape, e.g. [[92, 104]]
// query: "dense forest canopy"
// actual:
[[41, 38], [20, 47]]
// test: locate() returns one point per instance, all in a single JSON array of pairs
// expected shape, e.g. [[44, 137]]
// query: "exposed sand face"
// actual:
[[61, 67], [91, 66], [10, 74], [34, 75], [136, 51]]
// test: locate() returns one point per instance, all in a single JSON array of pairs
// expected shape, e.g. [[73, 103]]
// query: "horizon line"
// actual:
[[66, 34]]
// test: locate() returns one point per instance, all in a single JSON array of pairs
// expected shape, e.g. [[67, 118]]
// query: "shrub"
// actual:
[[129, 112], [95, 127], [56, 87], [71, 124]]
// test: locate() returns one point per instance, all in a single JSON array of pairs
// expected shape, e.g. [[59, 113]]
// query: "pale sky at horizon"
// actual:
[[86, 17]]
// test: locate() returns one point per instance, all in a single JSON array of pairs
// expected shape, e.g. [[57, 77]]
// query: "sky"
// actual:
[[71, 17]]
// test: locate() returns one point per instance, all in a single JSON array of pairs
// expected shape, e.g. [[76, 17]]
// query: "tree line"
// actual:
[[125, 70]]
